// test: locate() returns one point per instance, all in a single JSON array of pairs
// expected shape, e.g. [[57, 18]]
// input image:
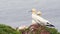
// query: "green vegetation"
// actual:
[[4, 29], [52, 30]]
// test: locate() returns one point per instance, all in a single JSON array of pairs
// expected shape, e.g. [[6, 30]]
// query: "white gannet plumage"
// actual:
[[38, 19], [41, 20], [33, 22], [34, 12]]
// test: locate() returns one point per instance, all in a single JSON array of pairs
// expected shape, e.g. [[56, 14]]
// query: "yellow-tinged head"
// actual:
[[33, 11], [39, 13]]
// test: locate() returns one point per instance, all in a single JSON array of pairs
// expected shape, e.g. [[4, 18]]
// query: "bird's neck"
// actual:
[[33, 12]]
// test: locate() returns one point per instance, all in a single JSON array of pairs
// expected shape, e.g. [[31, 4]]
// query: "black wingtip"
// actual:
[[50, 25]]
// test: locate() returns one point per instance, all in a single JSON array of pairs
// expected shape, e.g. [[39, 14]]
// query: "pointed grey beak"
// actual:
[[50, 25], [30, 11]]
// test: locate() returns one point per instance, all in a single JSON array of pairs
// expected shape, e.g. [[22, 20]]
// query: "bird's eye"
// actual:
[[47, 23]]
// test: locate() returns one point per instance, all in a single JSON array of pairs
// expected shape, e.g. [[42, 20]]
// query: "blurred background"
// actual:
[[16, 12]]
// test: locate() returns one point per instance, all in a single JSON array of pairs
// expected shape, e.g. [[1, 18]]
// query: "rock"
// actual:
[[38, 29], [35, 29]]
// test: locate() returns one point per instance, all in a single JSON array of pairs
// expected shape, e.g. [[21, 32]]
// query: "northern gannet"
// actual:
[[38, 19], [34, 12], [41, 20]]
